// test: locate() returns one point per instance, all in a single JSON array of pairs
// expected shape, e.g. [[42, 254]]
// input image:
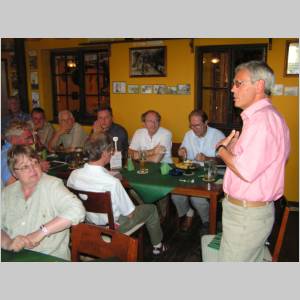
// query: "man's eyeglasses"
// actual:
[[197, 126], [26, 168], [238, 83]]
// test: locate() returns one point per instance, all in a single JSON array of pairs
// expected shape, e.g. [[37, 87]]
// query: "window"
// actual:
[[216, 66], [80, 82]]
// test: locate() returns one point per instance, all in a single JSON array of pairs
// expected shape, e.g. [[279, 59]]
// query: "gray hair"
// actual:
[[65, 112], [95, 147], [259, 70], [16, 128]]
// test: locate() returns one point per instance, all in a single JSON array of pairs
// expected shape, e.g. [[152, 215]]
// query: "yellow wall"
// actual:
[[174, 108]]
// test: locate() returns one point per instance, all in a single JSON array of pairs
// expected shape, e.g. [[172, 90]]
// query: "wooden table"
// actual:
[[26, 255], [210, 191]]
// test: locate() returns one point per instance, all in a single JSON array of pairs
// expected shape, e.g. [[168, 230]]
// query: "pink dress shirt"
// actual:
[[260, 155]]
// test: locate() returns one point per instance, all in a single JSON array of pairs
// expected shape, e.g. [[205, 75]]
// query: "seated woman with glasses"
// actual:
[[37, 210]]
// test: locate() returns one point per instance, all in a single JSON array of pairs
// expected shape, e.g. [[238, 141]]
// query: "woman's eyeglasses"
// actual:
[[26, 168]]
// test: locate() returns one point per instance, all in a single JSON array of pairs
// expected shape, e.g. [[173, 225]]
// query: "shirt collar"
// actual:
[[252, 109]]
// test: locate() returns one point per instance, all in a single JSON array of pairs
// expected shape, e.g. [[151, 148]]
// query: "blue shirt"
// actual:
[[206, 144], [5, 172]]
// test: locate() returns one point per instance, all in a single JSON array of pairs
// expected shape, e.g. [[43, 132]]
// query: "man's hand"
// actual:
[[97, 127], [230, 141], [45, 165], [201, 157], [182, 153], [159, 149]]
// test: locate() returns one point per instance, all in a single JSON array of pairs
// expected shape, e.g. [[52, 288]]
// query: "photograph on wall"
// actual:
[[34, 82], [133, 89], [147, 61], [183, 89], [32, 62], [146, 89], [119, 87], [159, 89], [35, 99], [172, 90]]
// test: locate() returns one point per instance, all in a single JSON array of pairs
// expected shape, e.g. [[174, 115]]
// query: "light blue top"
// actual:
[[5, 172], [206, 144]]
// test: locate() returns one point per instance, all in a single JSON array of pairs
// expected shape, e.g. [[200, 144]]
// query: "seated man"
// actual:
[[69, 134], [94, 177], [199, 144], [157, 141], [105, 123], [37, 210], [14, 114], [153, 138], [43, 130], [18, 133]]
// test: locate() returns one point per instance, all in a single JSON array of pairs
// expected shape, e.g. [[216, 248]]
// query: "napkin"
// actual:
[[165, 168], [216, 241], [130, 164]]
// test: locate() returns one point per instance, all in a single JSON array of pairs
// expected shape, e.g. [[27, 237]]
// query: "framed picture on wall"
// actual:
[[119, 87], [146, 89], [183, 89], [172, 90], [159, 89], [133, 89], [147, 62]]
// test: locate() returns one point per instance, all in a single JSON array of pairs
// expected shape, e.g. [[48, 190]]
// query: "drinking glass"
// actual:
[[210, 170], [142, 159]]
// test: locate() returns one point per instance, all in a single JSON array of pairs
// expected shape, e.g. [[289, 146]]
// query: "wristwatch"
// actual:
[[44, 230], [219, 147]]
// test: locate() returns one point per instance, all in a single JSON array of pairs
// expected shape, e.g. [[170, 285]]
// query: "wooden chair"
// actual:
[[100, 202], [88, 239], [282, 211]]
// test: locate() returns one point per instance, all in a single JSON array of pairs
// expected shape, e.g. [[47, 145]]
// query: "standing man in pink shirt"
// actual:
[[255, 161]]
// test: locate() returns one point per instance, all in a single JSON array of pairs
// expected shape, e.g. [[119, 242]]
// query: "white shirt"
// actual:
[[206, 144], [142, 140], [97, 179]]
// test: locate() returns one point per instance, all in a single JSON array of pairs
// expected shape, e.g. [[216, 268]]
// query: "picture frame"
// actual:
[[159, 89], [34, 82], [172, 90], [291, 66], [183, 89], [148, 62], [119, 87], [133, 89], [146, 89]]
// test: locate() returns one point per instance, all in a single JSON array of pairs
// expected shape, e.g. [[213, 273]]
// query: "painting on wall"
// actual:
[[159, 89], [133, 89], [147, 62], [183, 89], [146, 89], [119, 87]]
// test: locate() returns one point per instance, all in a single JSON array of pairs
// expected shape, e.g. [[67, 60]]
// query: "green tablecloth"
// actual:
[[153, 186], [27, 256]]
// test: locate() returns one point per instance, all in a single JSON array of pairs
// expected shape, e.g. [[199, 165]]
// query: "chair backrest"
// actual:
[[88, 239], [99, 202], [282, 212]]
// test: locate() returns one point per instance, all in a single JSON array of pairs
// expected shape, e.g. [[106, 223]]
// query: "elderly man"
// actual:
[[18, 133], [37, 210], [157, 142], [14, 113], [255, 160], [95, 178], [105, 123], [43, 130], [69, 134], [198, 144]]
